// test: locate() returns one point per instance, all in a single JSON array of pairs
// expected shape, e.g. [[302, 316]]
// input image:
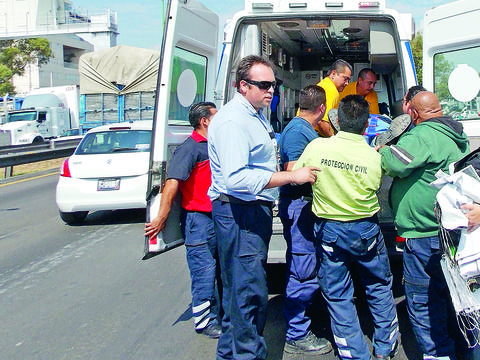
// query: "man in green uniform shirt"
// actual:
[[347, 231]]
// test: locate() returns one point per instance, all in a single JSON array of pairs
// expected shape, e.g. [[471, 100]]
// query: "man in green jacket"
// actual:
[[434, 143]]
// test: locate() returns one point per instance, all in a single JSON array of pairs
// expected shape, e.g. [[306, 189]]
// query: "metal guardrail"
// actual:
[[4, 150], [51, 144], [19, 155]]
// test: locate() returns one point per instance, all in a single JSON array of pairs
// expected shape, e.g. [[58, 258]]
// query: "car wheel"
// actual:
[[38, 141], [73, 217]]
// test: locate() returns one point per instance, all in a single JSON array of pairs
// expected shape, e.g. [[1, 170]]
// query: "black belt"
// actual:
[[305, 198], [234, 200]]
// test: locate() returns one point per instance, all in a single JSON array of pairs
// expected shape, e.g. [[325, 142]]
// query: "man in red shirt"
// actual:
[[189, 171]]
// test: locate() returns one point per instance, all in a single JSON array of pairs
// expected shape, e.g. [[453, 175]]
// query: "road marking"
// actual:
[[27, 179], [28, 276]]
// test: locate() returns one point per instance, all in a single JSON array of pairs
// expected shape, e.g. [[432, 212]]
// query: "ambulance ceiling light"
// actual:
[[288, 24]]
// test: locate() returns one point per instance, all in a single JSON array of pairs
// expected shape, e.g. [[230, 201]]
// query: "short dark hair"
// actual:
[[414, 90], [364, 72], [198, 111], [353, 112], [311, 97], [246, 64], [339, 66]]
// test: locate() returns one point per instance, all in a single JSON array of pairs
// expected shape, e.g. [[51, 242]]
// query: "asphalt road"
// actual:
[[83, 292]]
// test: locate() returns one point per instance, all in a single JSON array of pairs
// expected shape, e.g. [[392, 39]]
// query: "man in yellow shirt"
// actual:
[[364, 87], [337, 78]]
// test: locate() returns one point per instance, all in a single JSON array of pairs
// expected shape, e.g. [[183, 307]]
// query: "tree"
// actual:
[[442, 69], [417, 52], [16, 55]]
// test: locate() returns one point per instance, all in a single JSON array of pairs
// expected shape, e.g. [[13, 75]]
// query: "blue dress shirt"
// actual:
[[242, 155]]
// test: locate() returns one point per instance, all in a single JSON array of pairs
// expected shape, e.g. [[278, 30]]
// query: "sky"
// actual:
[[140, 23]]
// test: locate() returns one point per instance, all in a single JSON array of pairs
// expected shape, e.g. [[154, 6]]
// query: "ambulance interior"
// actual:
[[303, 49]]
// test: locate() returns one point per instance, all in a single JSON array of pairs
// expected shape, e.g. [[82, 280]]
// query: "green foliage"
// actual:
[[441, 71], [15, 55], [6, 87], [442, 68], [417, 52]]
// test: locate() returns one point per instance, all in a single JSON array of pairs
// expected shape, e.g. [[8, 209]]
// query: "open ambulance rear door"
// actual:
[[186, 75], [451, 62]]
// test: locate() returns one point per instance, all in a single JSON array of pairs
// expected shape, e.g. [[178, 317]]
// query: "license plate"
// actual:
[[108, 184]]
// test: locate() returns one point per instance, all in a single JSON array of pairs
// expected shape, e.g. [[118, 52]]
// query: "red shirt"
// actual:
[[191, 166]]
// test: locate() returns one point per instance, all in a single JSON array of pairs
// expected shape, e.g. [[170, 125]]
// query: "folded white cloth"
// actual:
[[456, 190], [462, 187]]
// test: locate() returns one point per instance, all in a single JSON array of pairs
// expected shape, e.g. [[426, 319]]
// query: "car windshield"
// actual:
[[106, 142]]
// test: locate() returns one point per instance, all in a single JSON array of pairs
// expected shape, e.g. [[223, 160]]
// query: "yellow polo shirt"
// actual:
[[331, 93], [372, 97]]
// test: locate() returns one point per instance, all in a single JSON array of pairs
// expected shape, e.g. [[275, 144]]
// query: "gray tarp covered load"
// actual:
[[134, 68]]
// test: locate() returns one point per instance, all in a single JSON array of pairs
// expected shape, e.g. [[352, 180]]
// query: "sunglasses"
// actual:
[[262, 85]]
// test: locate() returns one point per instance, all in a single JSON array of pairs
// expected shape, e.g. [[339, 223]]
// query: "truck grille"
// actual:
[[5, 136]]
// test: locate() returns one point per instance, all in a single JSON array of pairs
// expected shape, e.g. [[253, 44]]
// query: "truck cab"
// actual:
[[35, 125], [45, 114], [302, 40]]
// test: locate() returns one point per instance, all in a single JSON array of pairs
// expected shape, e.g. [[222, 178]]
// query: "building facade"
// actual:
[[71, 33]]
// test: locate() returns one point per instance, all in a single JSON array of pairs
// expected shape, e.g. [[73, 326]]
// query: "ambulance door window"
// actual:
[[188, 85], [457, 82]]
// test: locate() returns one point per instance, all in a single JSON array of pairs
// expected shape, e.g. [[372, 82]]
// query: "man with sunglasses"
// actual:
[[337, 78], [244, 167]]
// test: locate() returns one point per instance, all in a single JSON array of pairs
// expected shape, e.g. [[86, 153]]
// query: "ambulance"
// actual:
[[451, 62], [302, 38]]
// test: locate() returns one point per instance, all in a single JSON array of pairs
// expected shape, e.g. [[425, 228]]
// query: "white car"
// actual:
[[108, 171]]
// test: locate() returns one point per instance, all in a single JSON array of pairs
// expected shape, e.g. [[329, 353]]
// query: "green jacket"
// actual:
[[413, 162]]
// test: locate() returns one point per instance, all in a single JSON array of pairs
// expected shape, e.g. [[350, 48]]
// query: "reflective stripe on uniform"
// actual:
[[401, 154], [201, 315]]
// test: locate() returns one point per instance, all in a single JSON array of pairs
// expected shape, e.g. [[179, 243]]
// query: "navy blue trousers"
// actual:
[[427, 297], [243, 232], [302, 283], [201, 247], [360, 242]]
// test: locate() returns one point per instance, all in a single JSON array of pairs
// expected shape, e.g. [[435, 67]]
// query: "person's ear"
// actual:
[[414, 116], [243, 86], [204, 122], [323, 108], [407, 108]]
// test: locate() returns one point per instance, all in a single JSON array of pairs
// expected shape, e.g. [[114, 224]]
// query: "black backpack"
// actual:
[[471, 159]]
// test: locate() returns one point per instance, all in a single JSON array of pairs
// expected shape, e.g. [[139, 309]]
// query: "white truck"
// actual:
[[451, 61], [302, 39], [46, 113]]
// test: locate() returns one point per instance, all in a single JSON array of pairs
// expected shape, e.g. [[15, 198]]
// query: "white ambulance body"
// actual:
[[451, 61], [302, 39]]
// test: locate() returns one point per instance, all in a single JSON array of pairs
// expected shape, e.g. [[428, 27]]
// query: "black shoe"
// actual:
[[397, 127], [389, 356], [212, 331], [310, 344]]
